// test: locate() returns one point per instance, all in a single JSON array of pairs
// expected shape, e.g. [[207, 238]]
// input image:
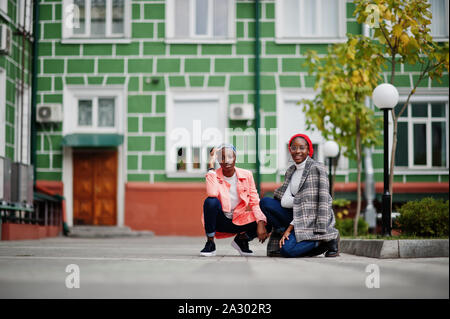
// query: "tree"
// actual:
[[402, 28], [345, 77]]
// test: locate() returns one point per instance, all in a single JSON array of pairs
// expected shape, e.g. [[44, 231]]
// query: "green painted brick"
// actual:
[[266, 65], [153, 124], [236, 98], [133, 124], [423, 82], [139, 143], [97, 49], [402, 81], [444, 178], [350, 8], [52, 30], [267, 29], [154, 11], [246, 10], [177, 81], [292, 81], [154, 48], [45, 49], [240, 30], [267, 82], [44, 83], [139, 104], [115, 80], [442, 83], [216, 81], [319, 48], [245, 47], [243, 82], [165, 65], [161, 30], [160, 103], [229, 65], [80, 66], [160, 143], [133, 84], [268, 102], [422, 178], [43, 161], [66, 49], [270, 10], [197, 65], [293, 65], [127, 49], [140, 65], [273, 48], [74, 80], [153, 162], [57, 83], [48, 176], [183, 49], [354, 27], [52, 142], [57, 161], [58, 11], [196, 81], [45, 12], [132, 162], [136, 11], [53, 66], [216, 49], [95, 80], [110, 65], [310, 81], [158, 86], [138, 177], [142, 30]]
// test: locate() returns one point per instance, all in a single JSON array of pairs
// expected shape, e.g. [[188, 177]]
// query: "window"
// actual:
[[310, 21], [98, 112], [423, 135], [200, 20], [25, 15], [195, 123], [23, 125], [96, 19], [4, 6], [2, 112], [439, 22]]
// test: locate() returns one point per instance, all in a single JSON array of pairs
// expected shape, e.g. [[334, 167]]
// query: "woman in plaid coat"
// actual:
[[301, 209]]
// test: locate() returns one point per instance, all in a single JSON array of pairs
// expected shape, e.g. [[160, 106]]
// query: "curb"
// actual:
[[402, 248]]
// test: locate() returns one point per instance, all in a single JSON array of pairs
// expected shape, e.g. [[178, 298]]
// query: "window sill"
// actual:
[[200, 41], [96, 41], [309, 40]]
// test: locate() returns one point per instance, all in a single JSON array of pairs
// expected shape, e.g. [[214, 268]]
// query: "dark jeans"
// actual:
[[277, 217], [292, 248], [215, 220]]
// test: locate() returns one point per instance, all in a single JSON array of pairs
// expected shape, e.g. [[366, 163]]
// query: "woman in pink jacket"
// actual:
[[230, 190]]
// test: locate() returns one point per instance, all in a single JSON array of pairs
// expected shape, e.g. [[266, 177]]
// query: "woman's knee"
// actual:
[[265, 202], [211, 203]]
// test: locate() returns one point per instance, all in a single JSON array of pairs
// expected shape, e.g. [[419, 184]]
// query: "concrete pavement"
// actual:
[[169, 267]]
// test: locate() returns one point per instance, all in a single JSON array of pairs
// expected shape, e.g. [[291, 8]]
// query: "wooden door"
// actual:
[[95, 187]]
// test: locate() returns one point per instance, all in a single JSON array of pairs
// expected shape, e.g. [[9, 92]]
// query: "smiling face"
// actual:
[[227, 160], [299, 150]]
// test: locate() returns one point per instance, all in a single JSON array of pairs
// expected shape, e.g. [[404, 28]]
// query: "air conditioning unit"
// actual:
[[5, 39], [22, 183], [5, 180], [48, 113], [242, 111]]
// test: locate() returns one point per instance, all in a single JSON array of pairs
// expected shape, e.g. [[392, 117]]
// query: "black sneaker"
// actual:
[[241, 245], [209, 250]]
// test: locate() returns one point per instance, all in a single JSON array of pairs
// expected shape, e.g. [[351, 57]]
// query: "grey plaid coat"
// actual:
[[313, 213]]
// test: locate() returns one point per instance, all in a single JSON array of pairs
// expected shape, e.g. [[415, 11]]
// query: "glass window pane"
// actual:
[[420, 144], [291, 22], [437, 110], [106, 112], [181, 18], [98, 17], [181, 159], [439, 144], [117, 17], [221, 18], [201, 15], [330, 18], [196, 157], [309, 18], [79, 17], [398, 108], [85, 112], [439, 24], [401, 153], [419, 109]]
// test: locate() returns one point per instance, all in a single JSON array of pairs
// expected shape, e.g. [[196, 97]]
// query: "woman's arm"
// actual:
[[254, 201], [323, 197], [212, 187], [286, 235]]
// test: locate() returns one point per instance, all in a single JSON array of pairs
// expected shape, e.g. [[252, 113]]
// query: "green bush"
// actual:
[[427, 217], [345, 226]]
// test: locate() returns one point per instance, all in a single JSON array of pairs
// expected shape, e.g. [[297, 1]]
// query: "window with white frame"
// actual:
[[194, 124], [25, 15], [422, 140], [200, 20], [439, 22], [2, 112], [23, 125], [4, 6], [96, 112], [96, 19], [313, 21]]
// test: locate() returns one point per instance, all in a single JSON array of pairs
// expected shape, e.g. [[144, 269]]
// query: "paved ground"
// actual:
[[169, 267]]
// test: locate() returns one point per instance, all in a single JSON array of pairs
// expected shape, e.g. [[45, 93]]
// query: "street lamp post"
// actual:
[[331, 150], [385, 97]]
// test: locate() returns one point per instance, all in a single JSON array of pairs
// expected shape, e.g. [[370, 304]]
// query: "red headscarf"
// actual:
[[311, 150]]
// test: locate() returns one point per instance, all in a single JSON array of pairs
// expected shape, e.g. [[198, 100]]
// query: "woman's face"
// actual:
[[227, 160], [299, 150]]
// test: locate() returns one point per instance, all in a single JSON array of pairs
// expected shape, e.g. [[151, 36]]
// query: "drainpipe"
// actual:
[[34, 66], [257, 95], [370, 214]]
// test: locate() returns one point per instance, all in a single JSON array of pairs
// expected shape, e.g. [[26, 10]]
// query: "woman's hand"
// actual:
[[212, 158], [286, 235], [261, 231]]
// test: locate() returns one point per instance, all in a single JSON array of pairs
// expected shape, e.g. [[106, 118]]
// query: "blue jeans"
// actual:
[[292, 248], [215, 220], [277, 217]]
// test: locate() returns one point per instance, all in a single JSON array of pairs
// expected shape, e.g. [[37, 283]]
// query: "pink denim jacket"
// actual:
[[216, 186]]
